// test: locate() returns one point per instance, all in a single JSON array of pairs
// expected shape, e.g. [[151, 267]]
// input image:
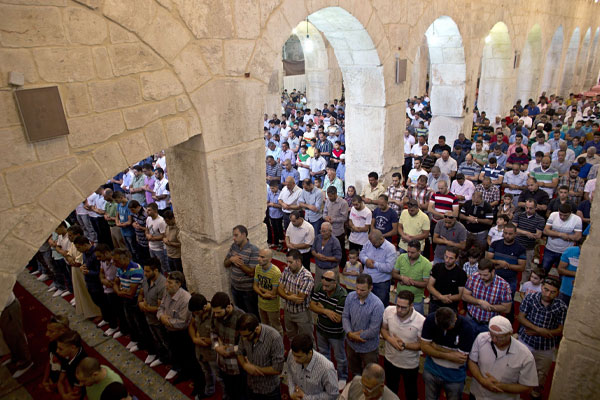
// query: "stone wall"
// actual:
[[138, 76]]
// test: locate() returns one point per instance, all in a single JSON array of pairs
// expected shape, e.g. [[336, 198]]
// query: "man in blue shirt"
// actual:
[[275, 216], [567, 268], [340, 171], [362, 317], [378, 257], [289, 170], [311, 201], [446, 340]]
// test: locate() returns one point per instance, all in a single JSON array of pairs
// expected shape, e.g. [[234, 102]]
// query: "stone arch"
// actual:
[[497, 72], [447, 78], [316, 64], [591, 72], [530, 68], [552, 63], [582, 59], [570, 61]]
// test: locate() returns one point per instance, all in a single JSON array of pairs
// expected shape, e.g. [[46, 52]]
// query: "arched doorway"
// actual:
[[447, 79], [497, 72], [566, 85], [552, 63], [530, 68]]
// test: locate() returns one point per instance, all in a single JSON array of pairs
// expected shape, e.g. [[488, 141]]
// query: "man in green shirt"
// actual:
[[412, 272], [110, 215], [95, 377]]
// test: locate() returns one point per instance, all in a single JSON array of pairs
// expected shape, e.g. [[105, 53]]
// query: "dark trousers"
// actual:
[[355, 246], [342, 240], [62, 275], [234, 386], [393, 375], [175, 264], [358, 361], [306, 260], [184, 357], [143, 253], [102, 230], [276, 230], [11, 326], [113, 304], [274, 395], [124, 327], [286, 221], [406, 168], [159, 334], [136, 320], [247, 300], [131, 244], [99, 299]]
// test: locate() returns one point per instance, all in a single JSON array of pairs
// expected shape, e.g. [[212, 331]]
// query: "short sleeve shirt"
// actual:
[[384, 220], [419, 271], [267, 280], [448, 281], [511, 253], [249, 255]]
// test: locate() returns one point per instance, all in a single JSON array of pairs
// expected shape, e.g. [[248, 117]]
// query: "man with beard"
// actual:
[[447, 282], [336, 213], [541, 318], [412, 270], [487, 295], [401, 330], [530, 226], [534, 192]]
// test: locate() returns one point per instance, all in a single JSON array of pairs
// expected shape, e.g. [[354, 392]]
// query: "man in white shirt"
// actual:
[[161, 194], [317, 165], [401, 330], [447, 164], [161, 161], [300, 235], [415, 173], [416, 150], [360, 222], [541, 145], [155, 232], [288, 199], [515, 182], [527, 121], [462, 188]]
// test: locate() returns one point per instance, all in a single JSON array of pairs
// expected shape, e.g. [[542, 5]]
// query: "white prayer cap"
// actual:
[[500, 325]]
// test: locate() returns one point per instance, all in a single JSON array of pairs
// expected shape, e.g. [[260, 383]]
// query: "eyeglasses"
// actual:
[[448, 217], [328, 279]]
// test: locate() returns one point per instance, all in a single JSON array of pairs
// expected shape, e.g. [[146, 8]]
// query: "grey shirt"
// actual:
[[153, 293], [312, 198], [456, 234], [338, 211], [176, 308]]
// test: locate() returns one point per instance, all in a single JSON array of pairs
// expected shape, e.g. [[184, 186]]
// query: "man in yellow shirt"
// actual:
[[413, 225], [266, 281], [371, 192]]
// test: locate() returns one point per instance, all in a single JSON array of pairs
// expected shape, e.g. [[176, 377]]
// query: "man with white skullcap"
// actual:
[[503, 367]]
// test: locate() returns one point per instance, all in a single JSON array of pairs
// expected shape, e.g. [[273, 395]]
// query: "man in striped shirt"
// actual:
[[441, 202], [327, 301], [295, 286], [487, 295]]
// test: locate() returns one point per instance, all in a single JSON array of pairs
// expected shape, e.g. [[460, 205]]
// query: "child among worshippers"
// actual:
[[57, 325], [534, 284], [497, 232], [352, 269], [472, 265], [508, 206], [337, 152]]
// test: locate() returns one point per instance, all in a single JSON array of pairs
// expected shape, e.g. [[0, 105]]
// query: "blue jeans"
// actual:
[[420, 307], [317, 225], [477, 326], [246, 300], [382, 290], [551, 258], [130, 243], [565, 297], [162, 257], [435, 384], [339, 352]]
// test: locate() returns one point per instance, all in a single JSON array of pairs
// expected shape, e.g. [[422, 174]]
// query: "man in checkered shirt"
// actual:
[[487, 295], [542, 317]]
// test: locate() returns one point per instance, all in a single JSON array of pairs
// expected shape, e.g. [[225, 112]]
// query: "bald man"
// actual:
[[368, 386], [326, 250], [266, 281], [288, 200]]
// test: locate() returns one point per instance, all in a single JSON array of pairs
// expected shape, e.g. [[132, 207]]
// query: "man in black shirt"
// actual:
[[530, 226], [69, 348], [477, 216], [534, 192], [427, 160], [440, 147], [446, 282]]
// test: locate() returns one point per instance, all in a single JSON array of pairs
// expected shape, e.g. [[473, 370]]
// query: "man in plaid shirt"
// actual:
[[421, 193], [295, 286], [542, 317], [491, 193], [487, 295], [574, 183], [396, 193]]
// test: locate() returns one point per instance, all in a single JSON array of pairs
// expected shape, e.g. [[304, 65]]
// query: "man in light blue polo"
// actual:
[[378, 257], [311, 201]]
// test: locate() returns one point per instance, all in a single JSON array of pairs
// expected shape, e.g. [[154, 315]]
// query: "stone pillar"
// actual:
[[217, 180], [577, 368]]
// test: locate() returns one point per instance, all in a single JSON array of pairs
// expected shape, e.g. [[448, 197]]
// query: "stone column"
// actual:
[[577, 368], [217, 180]]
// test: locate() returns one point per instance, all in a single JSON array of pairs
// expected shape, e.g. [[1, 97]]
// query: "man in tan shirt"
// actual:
[[172, 243]]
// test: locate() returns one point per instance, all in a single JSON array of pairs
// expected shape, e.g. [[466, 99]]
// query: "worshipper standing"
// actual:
[[172, 242], [310, 375], [361, 319], [336, 213], [199, 331], [401, 330], [359, 223], [446, 282], [326, 251], [300, 236], [11, 326], [241, 262], [502, 367], [266, 281], [378, 257], [155, 233], [412, 270]]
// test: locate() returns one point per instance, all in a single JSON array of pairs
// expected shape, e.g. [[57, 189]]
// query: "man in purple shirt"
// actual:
[[148, 183]]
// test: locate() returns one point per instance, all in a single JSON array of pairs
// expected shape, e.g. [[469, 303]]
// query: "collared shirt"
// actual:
[[413, 226], [312, 198], [528, 223], [340, 171], [287, 155], [480, 211], [338, 211], [469, 170], [176, 309], [363, 316], [519, 179], [337, 183], [203, 326], [335, 302], [432, 181], [273, 170], [290, 197], [317, 164], [172, 235], [301, 282], [457, 233], [497, 292], [138, 182], [149, 181], [490, 194], [132, 275], [224, 333], [443, 202], [466, 189], [140, 234], [421, 195], [493, 172], [154, 292], [318, 380], [545, 176], [409, 330], [384, 258], [514, 365], [418, 271], [249, 255], [268, 351], [274, 212], [550, 317], [396, 193], [303, 234], [293, 173], [330, 249], [111, 210], [372, 193], [575, 185]]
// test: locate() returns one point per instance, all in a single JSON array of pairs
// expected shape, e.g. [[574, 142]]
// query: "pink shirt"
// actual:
[[150, 183]]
